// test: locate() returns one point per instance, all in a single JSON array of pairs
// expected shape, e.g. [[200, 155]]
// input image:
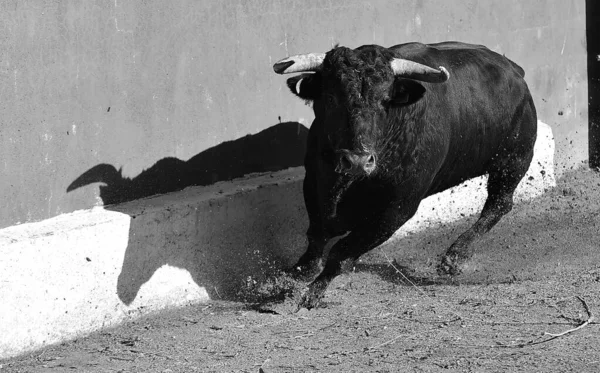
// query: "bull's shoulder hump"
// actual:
[[456, 45], [405, 47]]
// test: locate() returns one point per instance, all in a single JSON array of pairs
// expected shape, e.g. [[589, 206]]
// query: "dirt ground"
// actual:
[[533, 274]]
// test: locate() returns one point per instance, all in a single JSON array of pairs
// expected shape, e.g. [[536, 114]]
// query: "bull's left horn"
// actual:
[[417, 71], [300, 63]]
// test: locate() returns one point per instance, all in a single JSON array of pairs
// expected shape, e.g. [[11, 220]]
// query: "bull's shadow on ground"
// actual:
[[397, 274], [538, 239], [412, 260], [156, 241]]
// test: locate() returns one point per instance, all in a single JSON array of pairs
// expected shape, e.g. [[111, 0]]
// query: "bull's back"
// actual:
[[453, 50], [474, 116]]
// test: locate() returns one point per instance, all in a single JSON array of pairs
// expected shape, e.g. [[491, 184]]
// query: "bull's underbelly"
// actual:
[[457, 172], [447, 183]]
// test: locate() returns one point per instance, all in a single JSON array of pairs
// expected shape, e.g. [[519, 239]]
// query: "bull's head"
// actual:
[[357, 93]]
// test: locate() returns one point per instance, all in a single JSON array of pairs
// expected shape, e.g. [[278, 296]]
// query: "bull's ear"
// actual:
[[306, 86], [406, 92]]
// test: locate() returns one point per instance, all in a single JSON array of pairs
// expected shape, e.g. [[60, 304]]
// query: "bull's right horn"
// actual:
[[300, 63]]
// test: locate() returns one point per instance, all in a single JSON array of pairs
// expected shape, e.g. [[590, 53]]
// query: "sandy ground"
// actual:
[[535, 273]]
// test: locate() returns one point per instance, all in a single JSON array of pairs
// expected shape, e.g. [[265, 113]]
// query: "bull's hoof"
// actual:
[[306, 273], [311, 297], [451, 265], [309, 301]]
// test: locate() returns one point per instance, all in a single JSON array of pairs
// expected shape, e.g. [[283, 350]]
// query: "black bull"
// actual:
[[396, 125]]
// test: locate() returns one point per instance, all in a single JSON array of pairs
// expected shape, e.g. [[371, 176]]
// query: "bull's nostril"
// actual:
[[349, 163], [345, 163], [370, 161]]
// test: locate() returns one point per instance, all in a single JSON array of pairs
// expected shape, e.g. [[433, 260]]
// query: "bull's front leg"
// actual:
[[311, 263], [348, 249], [319, 232]]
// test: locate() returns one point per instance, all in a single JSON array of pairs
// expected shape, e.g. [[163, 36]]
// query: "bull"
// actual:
[[395, 125]]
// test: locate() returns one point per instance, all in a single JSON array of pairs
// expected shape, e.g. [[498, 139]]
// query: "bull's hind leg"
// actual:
[[501, 187]]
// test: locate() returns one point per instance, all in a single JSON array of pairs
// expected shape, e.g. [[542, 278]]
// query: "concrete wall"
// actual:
[[140, 95]]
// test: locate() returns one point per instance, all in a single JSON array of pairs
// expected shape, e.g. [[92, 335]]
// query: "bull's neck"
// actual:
[[403, 140]]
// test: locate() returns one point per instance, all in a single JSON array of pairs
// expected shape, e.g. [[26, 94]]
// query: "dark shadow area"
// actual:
[[276, 148], [397, 274], [593, 69], [260, 235]]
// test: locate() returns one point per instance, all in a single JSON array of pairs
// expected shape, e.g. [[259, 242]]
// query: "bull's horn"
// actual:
[[417, 71], [300, 63]]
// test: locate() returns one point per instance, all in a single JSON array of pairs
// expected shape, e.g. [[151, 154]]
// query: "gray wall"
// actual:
[[181, 77]]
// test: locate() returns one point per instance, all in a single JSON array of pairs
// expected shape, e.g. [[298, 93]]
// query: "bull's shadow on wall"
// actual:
[[151, 246], [276, 148]]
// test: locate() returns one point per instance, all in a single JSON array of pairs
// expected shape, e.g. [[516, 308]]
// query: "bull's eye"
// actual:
[[326, 154], [330, 100]]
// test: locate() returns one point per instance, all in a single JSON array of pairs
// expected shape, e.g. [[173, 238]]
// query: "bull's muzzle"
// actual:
[[349, 163]]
